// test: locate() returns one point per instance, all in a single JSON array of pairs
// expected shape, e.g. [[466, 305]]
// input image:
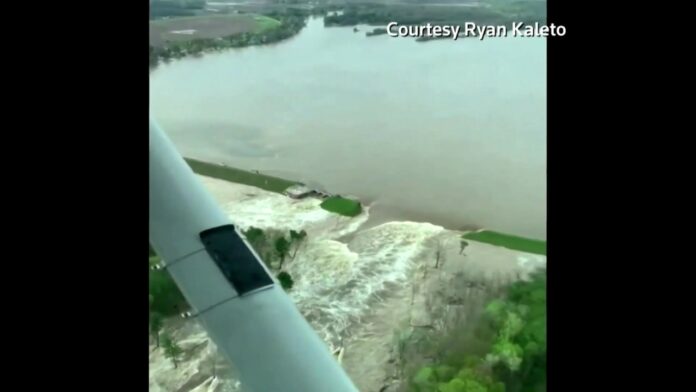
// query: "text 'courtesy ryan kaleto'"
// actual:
[[470, 29]]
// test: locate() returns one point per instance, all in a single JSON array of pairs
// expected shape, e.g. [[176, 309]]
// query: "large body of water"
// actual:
[[449, 132]]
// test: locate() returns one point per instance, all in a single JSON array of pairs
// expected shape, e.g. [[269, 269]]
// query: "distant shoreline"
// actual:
[[178, 38]]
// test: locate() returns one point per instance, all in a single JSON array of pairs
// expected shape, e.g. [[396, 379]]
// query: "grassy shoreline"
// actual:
[[508, 241], [231, 174], [250, 30]]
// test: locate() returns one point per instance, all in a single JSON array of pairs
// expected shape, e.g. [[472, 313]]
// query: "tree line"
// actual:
[[162, 8], [506, 353], [495, 13], [290, 24]]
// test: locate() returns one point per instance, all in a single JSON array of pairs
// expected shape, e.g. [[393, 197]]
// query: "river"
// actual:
[[448, 132]]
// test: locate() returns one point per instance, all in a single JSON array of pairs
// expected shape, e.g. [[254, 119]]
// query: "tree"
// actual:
[[296, 239], [519, 352], [506, 352], [254, 235], [171, 350], [285, 280], [446, 379], [156, 324], [282, 246], [462, 245], [425, 379], [258, 239]]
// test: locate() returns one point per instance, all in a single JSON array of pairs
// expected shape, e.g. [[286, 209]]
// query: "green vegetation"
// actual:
[[442, 378], [273, 247], [337, 204], [508, 241], [342, 206], [264, 23], [267, 29], [166, 300], [518, 354], [162, 8], [171, 349], [506, 352], [497, 12], [282, 247], [296, 240], [263, 243], [285, 280], [462, 245], [255, 236], [269, 183]]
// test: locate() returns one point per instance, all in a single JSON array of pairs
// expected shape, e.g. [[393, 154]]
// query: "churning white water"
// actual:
[[334, 280]]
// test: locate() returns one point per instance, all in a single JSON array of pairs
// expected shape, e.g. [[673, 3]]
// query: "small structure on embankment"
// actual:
[[300, 191]]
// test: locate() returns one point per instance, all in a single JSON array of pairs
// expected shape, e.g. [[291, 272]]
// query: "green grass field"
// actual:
[[508, 241], [264, 23], [342, 206], [269, 183]]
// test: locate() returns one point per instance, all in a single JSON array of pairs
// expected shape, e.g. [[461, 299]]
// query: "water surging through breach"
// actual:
[[336, 282]]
